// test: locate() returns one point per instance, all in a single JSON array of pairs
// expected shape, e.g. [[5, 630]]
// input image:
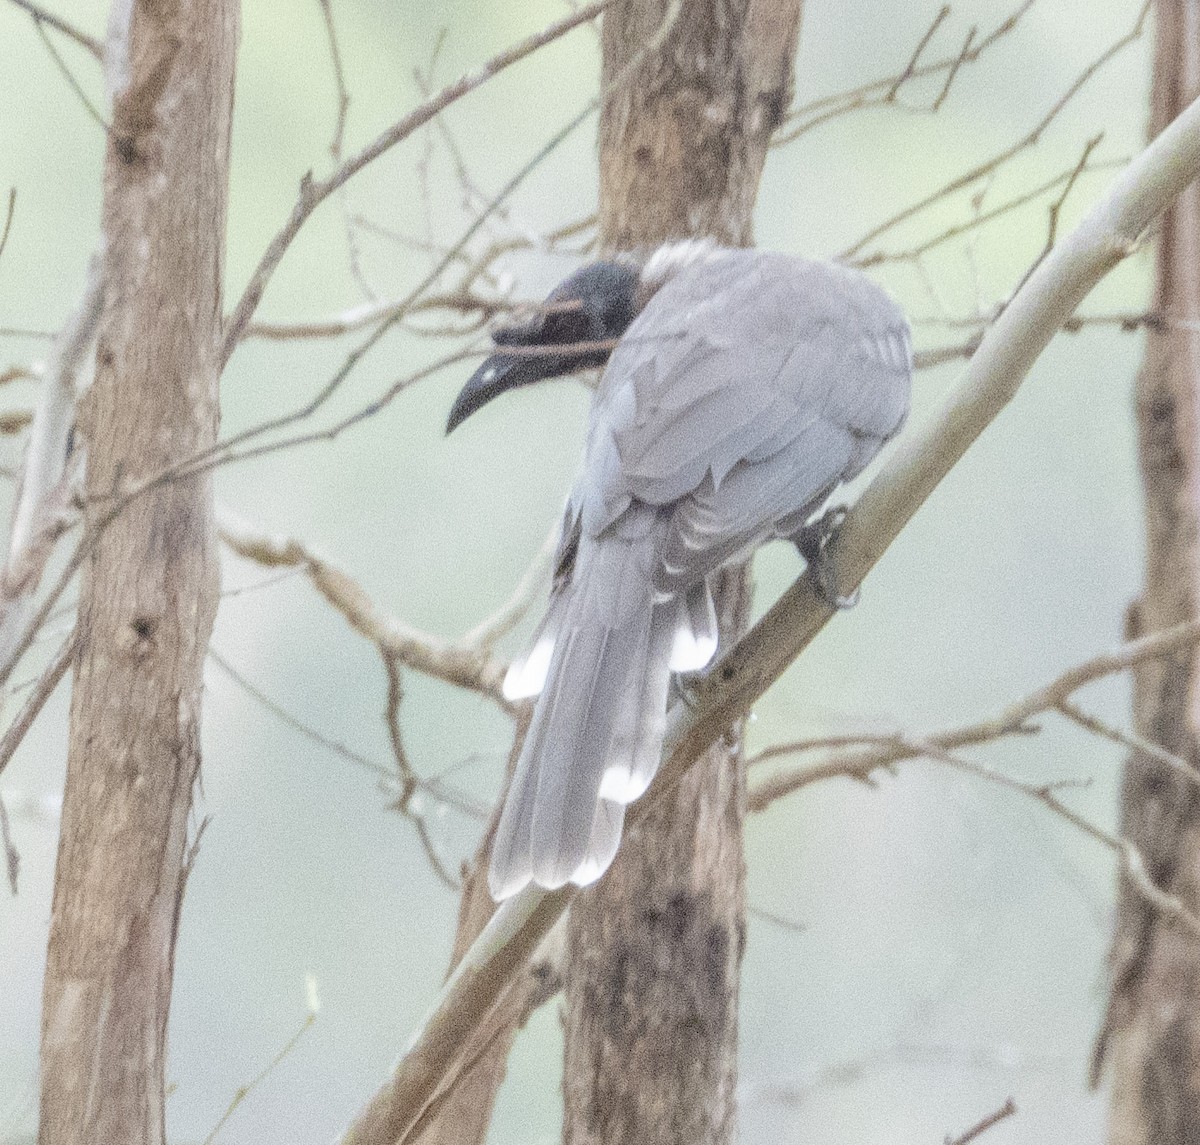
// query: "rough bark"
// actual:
[[655, 949], [149, 586], [1152, 1031]]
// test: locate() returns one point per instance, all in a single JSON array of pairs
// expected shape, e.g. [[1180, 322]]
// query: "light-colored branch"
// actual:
[[368, 314], [882, 751], [44, 493], [464, 665], [1009, 349], [313, 192]]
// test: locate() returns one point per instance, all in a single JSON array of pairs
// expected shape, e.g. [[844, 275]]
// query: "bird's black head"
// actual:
[[575, 328]]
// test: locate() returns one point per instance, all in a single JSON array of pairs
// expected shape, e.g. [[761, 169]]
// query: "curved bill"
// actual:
[[499, 373]]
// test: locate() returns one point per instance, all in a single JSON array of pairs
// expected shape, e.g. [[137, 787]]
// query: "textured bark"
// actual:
[[655, 949], [1152, 1031], [149, 587]]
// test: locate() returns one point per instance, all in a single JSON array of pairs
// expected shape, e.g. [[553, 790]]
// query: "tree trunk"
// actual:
[[1152, 1030], [655, 949], [149, 588]]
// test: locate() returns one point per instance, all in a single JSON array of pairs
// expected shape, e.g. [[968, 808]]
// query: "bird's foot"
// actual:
[[685, 688], [813, 542]]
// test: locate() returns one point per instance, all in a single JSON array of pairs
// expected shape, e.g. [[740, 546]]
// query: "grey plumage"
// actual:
[[747, 388]]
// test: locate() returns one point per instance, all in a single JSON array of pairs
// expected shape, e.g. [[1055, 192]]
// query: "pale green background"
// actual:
[[955, 935]]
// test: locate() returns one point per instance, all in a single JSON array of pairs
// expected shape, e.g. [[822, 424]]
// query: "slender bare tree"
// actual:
[[1152, 1030], [149, 587]]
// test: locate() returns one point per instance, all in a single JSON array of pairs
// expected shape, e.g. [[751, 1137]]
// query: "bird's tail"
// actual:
[[606, 648]]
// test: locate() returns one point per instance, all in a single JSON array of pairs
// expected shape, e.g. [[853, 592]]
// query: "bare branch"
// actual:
[[980, 1128], [461, 664], [883, 751], [43, 690], [513, 611], [44, 494], [883, 92], [410, 782], [918, 51], [314, 192], [979, 219], [72, 82], [8, 218], [1127, 739], [1030, 139], [436, 789], [244, 1091], [12, 857], [1132, 864], [41, 16]]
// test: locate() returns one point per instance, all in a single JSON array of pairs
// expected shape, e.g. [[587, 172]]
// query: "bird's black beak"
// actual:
[[500, 372], [576, 329]]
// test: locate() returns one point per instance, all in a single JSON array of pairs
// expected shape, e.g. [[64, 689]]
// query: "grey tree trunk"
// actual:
[[655, 949], [1152, 1032], [149, 588]]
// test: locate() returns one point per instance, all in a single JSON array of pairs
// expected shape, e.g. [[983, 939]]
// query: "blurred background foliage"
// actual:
[[918, 950]]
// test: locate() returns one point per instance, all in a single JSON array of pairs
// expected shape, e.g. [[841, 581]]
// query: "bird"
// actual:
[[739, 388]]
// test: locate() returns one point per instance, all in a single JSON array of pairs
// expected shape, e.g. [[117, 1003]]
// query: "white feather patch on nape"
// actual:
[[689, 652], [670, 258], [619, 785], [527, 677]]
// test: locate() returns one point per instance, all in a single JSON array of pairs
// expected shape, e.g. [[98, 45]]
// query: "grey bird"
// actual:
[[739, 389]]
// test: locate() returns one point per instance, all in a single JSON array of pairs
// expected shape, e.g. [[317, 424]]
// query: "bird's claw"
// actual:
[[813, 541]]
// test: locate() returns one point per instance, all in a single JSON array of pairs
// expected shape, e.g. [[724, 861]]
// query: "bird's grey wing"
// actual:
[[743, 396]]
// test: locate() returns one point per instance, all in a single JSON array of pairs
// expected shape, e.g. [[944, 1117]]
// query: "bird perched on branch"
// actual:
[[739, 389]]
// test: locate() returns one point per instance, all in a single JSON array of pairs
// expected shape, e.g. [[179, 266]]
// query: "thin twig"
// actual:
[[981, 1127], [244, 1091], [46, 684], [41, 16], [409, 781], [884, 750], [1132, 863], [981, 218], [1030, 139], [69, 76], [436, 789], [953, 72], [878, 93], [918, 51], [314, 192], [1127, 739], [12, 857], [464, 665], [8, 218], [1056, 207]]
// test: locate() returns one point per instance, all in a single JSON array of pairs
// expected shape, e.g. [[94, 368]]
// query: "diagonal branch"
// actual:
[[41, 16], [467, 663], [1008, 351]]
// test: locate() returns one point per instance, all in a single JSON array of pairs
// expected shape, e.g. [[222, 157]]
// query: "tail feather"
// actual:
[[602, 846], [595, 741]]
